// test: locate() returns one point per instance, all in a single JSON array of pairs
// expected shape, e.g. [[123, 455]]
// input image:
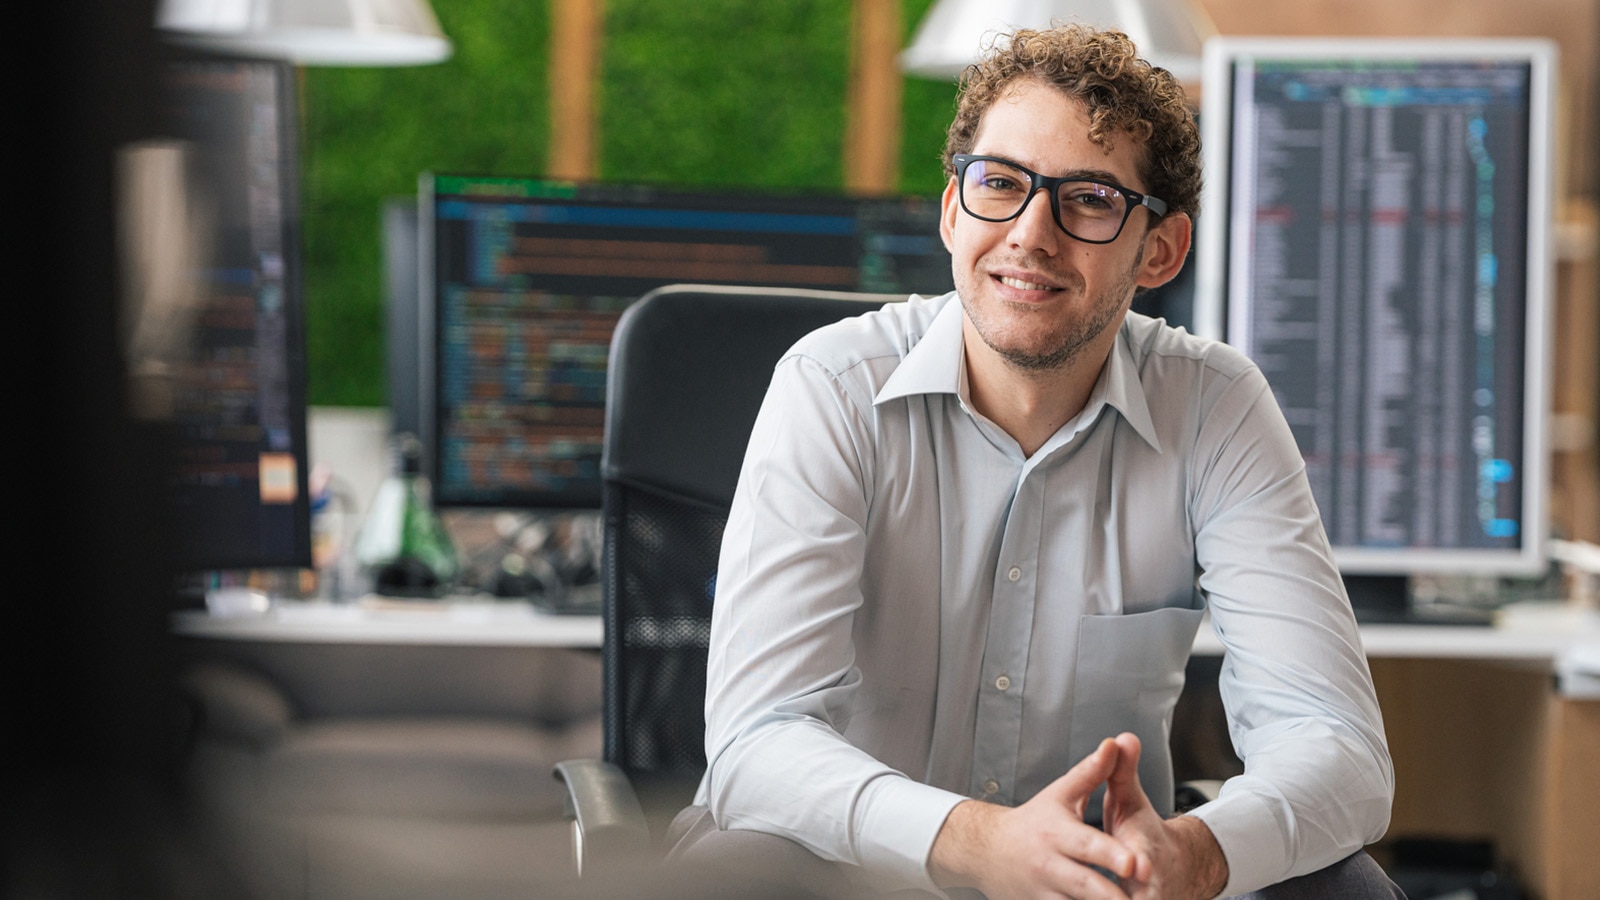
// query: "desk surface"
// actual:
[[1535, 633], [1529, 633], [375, 621]]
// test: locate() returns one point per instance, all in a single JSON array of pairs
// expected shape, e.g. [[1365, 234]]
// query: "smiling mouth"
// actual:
[[1022, 285]]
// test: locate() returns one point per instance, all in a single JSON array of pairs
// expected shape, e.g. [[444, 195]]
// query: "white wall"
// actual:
[[353, 442]]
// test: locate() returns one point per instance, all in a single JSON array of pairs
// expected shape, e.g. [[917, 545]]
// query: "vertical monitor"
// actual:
[[528, 278], [1377, 214], [240, 480]]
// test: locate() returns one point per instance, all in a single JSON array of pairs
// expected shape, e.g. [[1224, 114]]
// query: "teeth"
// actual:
[[1021, 285]]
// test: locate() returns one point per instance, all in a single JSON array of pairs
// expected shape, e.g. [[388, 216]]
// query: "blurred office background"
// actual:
[[800, 97], [794, 97]]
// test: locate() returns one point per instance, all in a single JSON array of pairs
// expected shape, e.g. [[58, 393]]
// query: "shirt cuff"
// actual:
[[1251, 836], [895, 824]]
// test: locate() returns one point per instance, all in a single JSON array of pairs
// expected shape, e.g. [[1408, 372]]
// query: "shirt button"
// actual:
[[1002, 682], [1014, 574], [991, 787]]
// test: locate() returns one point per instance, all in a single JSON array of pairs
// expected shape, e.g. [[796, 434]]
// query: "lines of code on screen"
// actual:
[[531, 278], [1377, 274], [239, 479]]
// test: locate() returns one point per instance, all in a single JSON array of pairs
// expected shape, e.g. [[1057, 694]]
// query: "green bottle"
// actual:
[[403, 548]]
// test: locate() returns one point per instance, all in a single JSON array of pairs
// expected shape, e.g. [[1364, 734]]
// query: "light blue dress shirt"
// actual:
[[910, 612]]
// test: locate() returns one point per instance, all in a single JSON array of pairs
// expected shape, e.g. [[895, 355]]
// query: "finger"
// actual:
[[1080, 781], [1091, 846], [1124, 793], [1126, 773], [1126, 799], [1082, 882]]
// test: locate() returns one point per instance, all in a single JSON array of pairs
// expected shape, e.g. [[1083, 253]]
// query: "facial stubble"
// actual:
[[1078, 334]]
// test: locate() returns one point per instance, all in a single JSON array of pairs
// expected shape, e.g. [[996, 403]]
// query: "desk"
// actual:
[[1534, 634], [464, 622], [1483, 744]]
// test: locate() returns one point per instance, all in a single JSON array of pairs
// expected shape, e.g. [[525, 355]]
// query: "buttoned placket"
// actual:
[[997, 743], [998, 737]]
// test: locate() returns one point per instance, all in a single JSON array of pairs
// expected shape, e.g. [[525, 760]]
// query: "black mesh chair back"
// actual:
[[689, 367]]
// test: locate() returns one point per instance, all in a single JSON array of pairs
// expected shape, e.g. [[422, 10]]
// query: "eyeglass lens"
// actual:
[[1089, 210]]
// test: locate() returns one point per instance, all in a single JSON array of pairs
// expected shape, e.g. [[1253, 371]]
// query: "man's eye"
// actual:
[[1000, 183], [1090, 200]]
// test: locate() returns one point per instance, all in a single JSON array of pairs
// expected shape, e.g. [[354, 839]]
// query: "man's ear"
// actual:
[[1165, 247], [950, 206]]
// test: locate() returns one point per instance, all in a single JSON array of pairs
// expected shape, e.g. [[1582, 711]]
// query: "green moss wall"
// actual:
[[718, 93]]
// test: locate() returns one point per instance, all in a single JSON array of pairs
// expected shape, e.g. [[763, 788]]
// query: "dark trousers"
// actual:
[[768, 866]]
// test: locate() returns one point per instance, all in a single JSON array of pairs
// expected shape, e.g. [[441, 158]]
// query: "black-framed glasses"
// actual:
[[998, 190]]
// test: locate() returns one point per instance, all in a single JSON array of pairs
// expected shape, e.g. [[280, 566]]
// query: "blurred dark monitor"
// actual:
[[240, 478], [526, 280]]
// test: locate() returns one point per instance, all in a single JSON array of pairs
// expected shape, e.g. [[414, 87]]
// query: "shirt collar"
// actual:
[[935, 366], [1125, 390]]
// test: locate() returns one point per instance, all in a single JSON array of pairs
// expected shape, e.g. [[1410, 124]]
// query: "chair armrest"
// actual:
[[1191, 794], [607, 820]]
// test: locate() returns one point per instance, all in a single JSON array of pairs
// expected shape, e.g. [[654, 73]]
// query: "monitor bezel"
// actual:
[[1221, 56]]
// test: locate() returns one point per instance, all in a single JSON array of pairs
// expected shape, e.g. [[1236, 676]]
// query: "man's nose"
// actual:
[[1035, 229]]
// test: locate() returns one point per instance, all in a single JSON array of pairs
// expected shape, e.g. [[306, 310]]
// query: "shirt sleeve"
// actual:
[[781, 677], [1318, 782]]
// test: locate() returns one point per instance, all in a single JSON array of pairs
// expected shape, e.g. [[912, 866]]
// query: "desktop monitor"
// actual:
[[1377, 219], [240, 482], [525, 281]]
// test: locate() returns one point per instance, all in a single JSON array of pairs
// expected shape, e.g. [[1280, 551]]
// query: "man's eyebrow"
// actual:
[[1100, 175], [1092, 175]]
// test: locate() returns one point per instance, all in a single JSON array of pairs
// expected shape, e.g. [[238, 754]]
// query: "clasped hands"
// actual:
[[1043, 848]]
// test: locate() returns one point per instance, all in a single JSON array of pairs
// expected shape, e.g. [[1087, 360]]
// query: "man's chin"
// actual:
[[1036, 357], [1041, 362]]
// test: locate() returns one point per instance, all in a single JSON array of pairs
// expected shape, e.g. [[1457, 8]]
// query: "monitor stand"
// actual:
[[1386, 599]]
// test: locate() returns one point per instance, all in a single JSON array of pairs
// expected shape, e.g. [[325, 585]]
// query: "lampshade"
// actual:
[[1168, 33], [310, 32]]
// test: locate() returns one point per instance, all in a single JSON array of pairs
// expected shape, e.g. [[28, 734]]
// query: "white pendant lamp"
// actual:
[[1169, 33], [310, 32]]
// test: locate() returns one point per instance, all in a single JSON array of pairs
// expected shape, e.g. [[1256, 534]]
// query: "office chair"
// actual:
[[689, 367]]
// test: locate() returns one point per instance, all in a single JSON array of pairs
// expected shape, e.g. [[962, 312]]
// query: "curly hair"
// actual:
[[1124, 94]]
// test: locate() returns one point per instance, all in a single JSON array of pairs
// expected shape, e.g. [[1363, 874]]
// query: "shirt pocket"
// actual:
[[1128, 677]]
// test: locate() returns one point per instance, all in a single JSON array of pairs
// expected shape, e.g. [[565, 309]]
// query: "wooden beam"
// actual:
[[1575, 463], [1572, 813], [575, 38], [872, 119]]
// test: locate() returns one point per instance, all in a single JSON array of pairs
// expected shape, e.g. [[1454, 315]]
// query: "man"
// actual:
[[974, 536]]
